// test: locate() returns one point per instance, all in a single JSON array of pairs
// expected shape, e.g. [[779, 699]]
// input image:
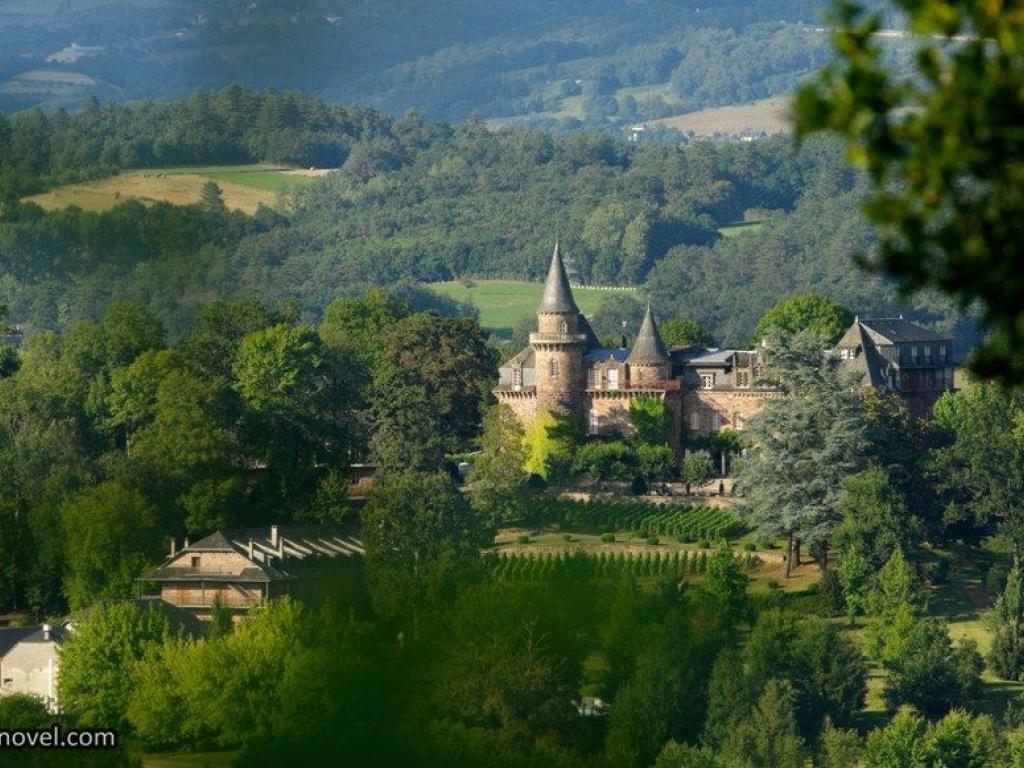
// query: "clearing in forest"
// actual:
[[503, 302], [245, 187]]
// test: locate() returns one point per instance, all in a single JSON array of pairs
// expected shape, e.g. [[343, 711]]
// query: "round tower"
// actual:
[[558, 344], [649, 361]]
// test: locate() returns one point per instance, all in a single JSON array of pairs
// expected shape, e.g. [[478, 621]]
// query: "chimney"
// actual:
[[248, 550], [274, 536], [185, 545], [47, 630], [625, 343], [174, 547]]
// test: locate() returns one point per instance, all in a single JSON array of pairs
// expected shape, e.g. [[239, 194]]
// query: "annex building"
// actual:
[[566, 368]]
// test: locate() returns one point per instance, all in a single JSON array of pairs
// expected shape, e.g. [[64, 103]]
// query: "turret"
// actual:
[[648, 361], [559, 343]]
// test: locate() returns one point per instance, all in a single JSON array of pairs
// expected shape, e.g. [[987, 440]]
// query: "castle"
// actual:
[[565, 368]]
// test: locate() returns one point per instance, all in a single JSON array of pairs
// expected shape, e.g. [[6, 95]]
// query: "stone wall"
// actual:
[[219, 562], [705, 411], [563, 390], [523, 405], [191, 595]]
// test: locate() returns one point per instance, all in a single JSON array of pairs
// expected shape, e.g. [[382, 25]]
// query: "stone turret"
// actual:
[[648, 361], [559, 343]]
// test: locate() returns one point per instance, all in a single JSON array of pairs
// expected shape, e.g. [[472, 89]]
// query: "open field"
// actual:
[[503, 302], [739, 228], [768, 115], [245, 187]]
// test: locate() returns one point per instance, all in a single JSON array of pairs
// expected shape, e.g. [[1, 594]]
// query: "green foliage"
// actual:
[[802, 446], [657, 462], [920, 136], [606, 461], [726, 585], [697, 469], [110, 534], [685, 332], [550, 444], [422, 543], [95, 686], [813, 314], [927, 672], [22, 711], [498, 479], [651, 420], [900, 743], [854, 576], [893, 606], [1006, 623], [876, 521]]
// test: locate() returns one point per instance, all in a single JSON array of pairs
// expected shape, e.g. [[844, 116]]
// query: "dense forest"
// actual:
[[563, 64], [416, 201]]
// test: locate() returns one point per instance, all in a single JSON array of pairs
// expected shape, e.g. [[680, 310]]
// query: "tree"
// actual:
[[422, 542], [212, 199], [685, 332], [651, 420], [278, 371], [900, 743], [550, 443], [963, 740], [893, 607], [802, 447], [498, 479], [726, 587], [22, 711], [676, 755], [853, 575], [876, 521], [111, 534], [928, 673], [697, 470], [1006, 622], [441, 366], [812, 314], [95, 661], [127, 330], [769, 739], [981, 464], [929, 139]]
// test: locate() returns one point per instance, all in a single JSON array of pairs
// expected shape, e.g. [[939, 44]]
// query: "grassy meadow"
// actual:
[[245, 187], [503, 302]]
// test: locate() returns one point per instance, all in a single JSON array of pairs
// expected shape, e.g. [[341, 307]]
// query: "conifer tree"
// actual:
[[1007, 626], [802, 446]]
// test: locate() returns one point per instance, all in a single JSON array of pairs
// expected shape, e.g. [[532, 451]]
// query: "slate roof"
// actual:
[[896, 330], [868, 361], [268, 563], [11, 636], [648, 348], [557, 296], [603, 354]]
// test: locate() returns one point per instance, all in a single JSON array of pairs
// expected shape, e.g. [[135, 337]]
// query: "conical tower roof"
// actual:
[[557, 296], [649, 349]]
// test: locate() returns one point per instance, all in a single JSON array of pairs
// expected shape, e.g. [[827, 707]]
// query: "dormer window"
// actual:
[[707, 381], [517, 377]]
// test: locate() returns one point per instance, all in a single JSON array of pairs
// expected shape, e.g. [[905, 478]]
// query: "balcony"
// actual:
[[558, 338]]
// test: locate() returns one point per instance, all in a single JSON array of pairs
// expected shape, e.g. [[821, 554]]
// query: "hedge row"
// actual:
[[689, 522], [542, 566]]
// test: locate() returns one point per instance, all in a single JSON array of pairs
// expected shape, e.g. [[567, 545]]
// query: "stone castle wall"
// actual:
[[705, 411]]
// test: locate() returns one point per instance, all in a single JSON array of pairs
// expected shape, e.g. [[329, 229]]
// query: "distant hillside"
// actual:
[[562, 64]]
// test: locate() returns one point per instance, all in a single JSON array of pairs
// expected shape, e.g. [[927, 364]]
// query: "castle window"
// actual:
[[743, 379], [517, 377], [707, 381], [594, 423], [593, 379], [565, 327], [613, 378], [695, 421], [942, 352], [195, 561], [552, 368], [738, 422]]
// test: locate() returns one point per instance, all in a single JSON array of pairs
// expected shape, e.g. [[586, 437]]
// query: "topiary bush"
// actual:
[[653, 540], [522, 539]]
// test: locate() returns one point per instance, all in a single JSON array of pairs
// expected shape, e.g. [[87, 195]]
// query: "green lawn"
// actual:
[[503, 302], [738, 228], [272, 178]]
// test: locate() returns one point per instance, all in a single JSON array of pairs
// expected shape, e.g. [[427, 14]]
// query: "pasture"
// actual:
[[768, 115], [503, 302], [245, 187]]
